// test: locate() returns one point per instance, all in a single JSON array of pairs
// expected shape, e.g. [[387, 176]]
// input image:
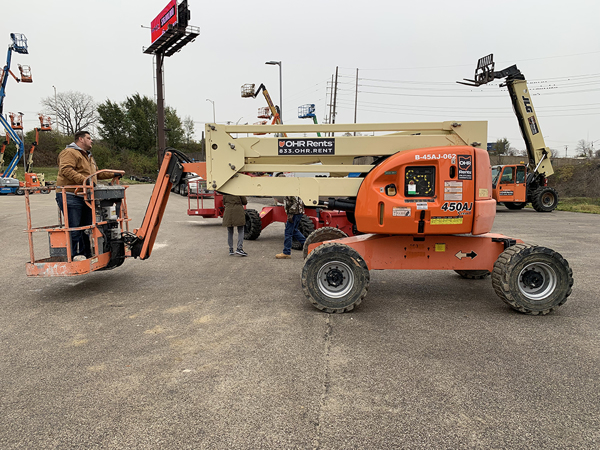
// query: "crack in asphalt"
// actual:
[[326, 383]]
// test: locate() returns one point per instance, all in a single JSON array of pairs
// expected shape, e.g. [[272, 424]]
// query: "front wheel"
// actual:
[[20, 191], [544, 199], [253, 225], [321, 235], [533, 280], [335, 278]]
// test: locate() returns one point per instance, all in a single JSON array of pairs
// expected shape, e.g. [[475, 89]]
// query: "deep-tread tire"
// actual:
[[305, 227], [253, 225], [20, 191], [544, 199], [473, 274], [322, 234], [533, 280], [515, 205], [335, 278]]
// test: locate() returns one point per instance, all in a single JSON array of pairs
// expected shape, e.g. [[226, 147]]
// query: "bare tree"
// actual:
[[188, 129], [75, 111], [584, 148]]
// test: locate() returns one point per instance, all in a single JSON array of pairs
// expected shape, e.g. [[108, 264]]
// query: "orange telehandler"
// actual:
[[425, 203]]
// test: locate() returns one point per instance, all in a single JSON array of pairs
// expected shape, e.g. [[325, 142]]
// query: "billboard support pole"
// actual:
[[160, 106], [169, 33]]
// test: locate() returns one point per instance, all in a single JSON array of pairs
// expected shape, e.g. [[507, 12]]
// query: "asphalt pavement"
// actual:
[[195, 349]]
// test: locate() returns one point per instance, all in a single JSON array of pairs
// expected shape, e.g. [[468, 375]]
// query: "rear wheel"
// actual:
[[183, 189], [305, 227], [322, 234], [20, 191], [335, 278], [515, 205], [473, 274], [544, 199], [531, 279], [253, 225]]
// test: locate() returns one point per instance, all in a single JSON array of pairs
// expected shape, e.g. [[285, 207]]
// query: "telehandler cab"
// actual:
[[426, 203], [516, 185]]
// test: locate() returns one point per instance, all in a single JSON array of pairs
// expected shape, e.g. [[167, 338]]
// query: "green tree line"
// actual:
[[125, 133]]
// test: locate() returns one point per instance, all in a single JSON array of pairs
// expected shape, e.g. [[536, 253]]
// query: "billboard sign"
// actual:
[[168, 16]]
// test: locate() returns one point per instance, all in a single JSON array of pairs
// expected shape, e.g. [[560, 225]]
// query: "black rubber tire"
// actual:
[[473, 274], [515, 205], [544, 199], [183, 189], [322, 234], [44, 191], [20, 191], [306, 227], [253, 225], [335, 278], [533, 280]]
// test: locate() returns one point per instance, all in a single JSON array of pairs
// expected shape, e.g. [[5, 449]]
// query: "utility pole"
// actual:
[[356, 98], [335, 98], [330, 100]]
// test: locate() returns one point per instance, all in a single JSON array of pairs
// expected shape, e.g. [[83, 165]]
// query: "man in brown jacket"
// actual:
[[75, 165]]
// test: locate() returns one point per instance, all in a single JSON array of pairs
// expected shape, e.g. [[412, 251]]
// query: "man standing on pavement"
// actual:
[[294, 208], [75, 165]]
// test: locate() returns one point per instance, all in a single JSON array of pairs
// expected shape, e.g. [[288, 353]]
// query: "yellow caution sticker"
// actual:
[[440, 247], [446, 220]]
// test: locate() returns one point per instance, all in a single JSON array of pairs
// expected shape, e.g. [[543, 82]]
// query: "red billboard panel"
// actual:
[[167, 17]]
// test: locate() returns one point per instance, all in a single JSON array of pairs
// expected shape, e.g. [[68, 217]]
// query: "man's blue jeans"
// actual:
[[292, 231], [79, 214]]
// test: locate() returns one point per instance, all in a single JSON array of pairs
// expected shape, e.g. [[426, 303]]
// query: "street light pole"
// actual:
[[56, 110], [213, 103], [278, 63]]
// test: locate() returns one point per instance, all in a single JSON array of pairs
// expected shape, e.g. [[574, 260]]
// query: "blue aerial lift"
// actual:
[[9, 185], [308, 112]]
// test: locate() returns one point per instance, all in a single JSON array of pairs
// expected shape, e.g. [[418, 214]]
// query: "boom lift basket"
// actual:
[[25, 74], [18, 123], [248, 90], [19, 43], [306, 111], [264, 113], [45, 123]]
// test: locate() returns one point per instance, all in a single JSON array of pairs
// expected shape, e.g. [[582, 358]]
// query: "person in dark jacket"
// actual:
[[75, 166], [235, 216]]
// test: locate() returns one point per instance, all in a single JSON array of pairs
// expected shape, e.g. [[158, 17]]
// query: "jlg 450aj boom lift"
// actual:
[[425, 204], [516, 185]]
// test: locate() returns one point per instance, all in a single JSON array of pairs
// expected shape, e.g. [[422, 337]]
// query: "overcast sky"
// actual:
[[408, 56]]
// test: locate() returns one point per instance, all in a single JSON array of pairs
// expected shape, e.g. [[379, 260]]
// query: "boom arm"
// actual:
[[538, 153], [142, 240], [230, 159], [272, 106]]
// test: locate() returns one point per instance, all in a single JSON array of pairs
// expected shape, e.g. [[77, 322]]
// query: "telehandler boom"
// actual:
[[516, 185]]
